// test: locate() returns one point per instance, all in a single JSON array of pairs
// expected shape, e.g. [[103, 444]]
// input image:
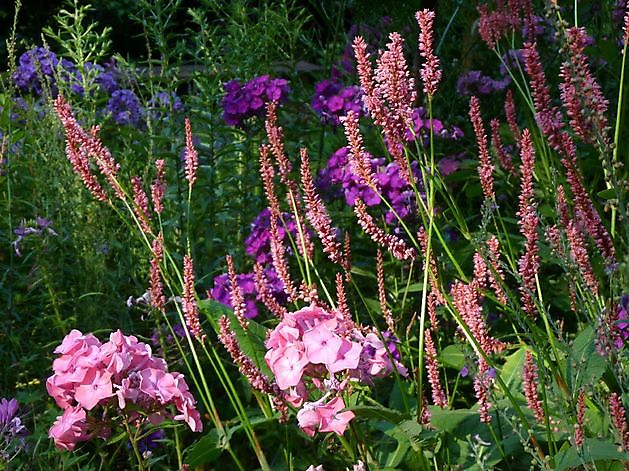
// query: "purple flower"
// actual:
[[258, 243], [244, 101], [400, 196], [164, 101], [124, 107], [421, 128], [332, 101], [33, 65], [221, 291], [12, 430], [150, 442], [22, 231], [475, 83]]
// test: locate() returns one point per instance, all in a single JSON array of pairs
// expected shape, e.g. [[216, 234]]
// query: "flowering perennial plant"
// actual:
[[98, 383], [315, 352], [332, 100], [244, 101]]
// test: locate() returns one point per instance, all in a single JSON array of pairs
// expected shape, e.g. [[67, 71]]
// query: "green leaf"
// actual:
[[607, 194], [512, 370], [251, 341], [206, 450], [461, 421], [117, 438], [594, 449], [380, 413], [584, 364], [361, 272], [452, 356]]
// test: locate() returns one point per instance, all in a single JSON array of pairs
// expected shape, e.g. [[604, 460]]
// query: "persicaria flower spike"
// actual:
[[189, 302], [485, 168], [158, 187], [191, 156], [527, 220], [529, 383], [430, 72]]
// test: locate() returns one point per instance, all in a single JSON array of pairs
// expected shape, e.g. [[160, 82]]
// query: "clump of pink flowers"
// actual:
[[118, 378], [316, 352]]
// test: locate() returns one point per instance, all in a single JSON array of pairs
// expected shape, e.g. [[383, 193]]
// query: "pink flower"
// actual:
[[287, 365], [332, 419], [69, 428], [322, 345], [99, 387], [347, 357], [324, 417]]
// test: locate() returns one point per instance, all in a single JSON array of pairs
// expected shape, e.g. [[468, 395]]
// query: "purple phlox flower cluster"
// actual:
[[162, 103], [41, 227], [258, 243], [338, 172], [12, 430], [451, 163], [244, 101], [221, 291], [475, 83], [105, 76], [121, 374], [40, 63], [124, 107], [332, 100], [34, 65], [421, 128]]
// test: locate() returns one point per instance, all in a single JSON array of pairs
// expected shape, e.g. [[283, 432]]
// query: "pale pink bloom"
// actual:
[[69, 428], [347, 358], [332, 419], [322, 345], [74, 341], [288, 367], [98, 388], [296, 395]]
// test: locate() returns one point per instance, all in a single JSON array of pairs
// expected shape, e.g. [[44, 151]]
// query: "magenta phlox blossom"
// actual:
[[119, 373]]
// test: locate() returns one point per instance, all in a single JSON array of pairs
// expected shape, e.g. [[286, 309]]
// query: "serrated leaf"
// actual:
[[593, 450]]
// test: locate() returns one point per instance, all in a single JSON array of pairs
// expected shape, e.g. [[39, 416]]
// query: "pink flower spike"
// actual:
[[191, 156], [322, 345], [100, 387]]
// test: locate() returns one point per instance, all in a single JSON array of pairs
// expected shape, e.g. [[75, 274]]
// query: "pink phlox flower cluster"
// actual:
[[324, 416], [325, 349], [120, 372]]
